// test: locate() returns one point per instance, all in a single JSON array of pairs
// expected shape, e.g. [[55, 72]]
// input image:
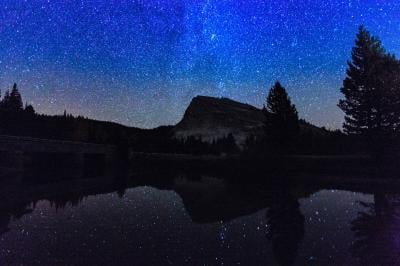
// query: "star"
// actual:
[[141, 62]]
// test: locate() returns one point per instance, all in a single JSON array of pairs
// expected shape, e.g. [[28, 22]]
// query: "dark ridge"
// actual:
[[210, 118]]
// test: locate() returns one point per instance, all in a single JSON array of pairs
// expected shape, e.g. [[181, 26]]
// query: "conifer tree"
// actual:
[[12, 101], [282, 122], [15, 102], [370, 88], [4, 103]]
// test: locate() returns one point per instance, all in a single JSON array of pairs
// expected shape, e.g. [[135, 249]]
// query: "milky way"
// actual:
[[140, 62]]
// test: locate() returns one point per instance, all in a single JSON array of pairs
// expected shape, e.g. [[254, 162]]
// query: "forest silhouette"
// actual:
[[371, 104]]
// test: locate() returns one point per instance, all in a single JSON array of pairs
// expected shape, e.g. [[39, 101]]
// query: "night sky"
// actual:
[[140, 62]]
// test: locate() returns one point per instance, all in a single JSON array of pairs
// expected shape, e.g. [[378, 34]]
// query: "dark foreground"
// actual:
[[163, 217]]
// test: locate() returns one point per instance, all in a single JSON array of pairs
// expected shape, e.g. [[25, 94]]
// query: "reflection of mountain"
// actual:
[[206, 199], [376, 231], [213, 200]]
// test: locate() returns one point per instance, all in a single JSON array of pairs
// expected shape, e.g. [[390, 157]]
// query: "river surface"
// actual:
[[206, 221]]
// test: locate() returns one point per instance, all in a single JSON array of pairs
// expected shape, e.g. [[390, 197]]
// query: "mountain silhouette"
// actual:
[[211, 118]]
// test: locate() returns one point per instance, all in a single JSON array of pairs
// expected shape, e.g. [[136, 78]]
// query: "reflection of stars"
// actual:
[[222, 234]]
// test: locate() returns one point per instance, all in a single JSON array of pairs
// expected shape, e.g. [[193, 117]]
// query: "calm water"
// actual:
[[206, 221]]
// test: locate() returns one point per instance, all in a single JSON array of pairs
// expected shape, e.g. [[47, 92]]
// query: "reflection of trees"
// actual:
[[285, 228], [61, 202], [377, 232], [7, 215]]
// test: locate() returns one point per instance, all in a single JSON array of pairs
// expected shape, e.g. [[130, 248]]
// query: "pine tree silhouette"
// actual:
[[282, 122], [4, 104], [370, 92], [12, 101], [15, 99]]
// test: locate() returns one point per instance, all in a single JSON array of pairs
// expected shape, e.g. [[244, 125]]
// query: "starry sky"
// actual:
[[140, 62]]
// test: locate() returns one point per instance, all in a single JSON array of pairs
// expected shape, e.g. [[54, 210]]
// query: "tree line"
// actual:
[[12, 102], [19, 120], [371, 104], [22, 120]]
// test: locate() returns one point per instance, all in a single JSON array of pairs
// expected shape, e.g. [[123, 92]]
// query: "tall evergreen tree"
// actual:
[[5, 101], [370, 89], [389, 105], [15, 99], [282, 122], [12, 101]]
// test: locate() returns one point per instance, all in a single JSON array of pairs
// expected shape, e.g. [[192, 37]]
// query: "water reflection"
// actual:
[[377, 231], [186, 219], [285, 227]]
